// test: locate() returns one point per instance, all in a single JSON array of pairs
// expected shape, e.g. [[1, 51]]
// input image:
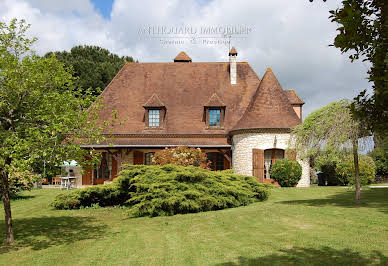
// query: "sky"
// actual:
[[291, 37]]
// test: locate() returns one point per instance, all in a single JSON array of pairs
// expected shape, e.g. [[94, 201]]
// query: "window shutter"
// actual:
[[87, 175], [291, 154], [226, 163], [138, 157], [258, 164]]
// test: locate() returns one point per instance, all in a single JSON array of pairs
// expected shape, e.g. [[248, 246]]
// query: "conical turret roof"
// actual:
[[269, 107]]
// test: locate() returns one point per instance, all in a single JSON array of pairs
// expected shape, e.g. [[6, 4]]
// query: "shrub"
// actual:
[[345, 170], [286, 172], [380, 157], [181, 156], [19, 180], [168, 190]]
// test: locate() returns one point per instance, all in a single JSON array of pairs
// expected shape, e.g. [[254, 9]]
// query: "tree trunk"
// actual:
[[7, 208], [356, 171]]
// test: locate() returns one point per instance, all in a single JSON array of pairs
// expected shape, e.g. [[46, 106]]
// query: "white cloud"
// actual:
[[290, 36]]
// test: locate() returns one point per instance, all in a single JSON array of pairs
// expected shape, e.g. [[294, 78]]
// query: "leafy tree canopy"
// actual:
[[363, 32], [329, 131], [93, 66], [39, 106]]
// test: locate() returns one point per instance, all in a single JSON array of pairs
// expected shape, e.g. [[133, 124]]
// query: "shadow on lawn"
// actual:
[[310, 256], [370, 198], [44, 232]]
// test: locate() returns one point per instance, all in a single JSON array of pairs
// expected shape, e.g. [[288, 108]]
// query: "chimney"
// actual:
[[233, 65]]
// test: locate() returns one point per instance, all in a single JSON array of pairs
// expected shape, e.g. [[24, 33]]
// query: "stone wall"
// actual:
[[242, 152]]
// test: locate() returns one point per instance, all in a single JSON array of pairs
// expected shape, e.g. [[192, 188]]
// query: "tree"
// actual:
[[39, 107], [330, 129], [363, 32], [93, 66]]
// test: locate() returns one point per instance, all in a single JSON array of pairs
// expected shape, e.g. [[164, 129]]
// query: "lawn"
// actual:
[[295, 226]]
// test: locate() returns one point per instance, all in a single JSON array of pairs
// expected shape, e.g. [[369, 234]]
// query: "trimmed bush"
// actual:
[[168, 190], [345, 170], [286, 172]]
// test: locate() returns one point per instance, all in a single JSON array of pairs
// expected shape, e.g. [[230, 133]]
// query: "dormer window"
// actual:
[[214, 117], [155, 112], [154, 117], [214, 113]]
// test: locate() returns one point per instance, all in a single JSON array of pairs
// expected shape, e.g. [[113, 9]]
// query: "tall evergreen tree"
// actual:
[[93, 66]]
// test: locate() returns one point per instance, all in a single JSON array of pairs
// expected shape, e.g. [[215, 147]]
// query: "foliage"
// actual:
[[326, 131], [104, 236], [168, 190], [286, 172], [345, 171], [181, 156], [363, 32], [43, 116], [20, 180], [380, 157], [94, 67]]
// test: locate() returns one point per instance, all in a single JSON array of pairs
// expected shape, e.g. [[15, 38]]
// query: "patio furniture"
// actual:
[[68, 182], [56, 180]]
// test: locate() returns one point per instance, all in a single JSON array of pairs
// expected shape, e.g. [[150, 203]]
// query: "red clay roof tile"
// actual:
[[182, 57], [269, 107], [293, 97]]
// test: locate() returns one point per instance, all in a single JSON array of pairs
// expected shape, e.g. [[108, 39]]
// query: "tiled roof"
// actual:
[[215, 101], [154, 101], [183, 89], [233, 51], [269, 107], [182, 57], [293, 97]]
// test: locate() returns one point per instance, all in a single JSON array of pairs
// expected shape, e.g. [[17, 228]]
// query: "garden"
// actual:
[[317, 225]]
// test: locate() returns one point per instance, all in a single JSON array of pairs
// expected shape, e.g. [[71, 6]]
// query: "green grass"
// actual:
[[295, 226]]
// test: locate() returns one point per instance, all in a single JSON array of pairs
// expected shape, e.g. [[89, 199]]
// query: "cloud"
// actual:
[[291, 37]]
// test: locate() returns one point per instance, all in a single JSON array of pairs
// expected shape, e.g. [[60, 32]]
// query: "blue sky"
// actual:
[[104, 7]]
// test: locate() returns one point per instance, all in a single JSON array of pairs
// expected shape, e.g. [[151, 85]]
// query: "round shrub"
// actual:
[[168, 190], [286, 172], [345, 170]]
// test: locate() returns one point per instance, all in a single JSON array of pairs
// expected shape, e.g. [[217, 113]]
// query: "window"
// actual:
[[214, 117], [148, 158], [216, 159], [153, 117]]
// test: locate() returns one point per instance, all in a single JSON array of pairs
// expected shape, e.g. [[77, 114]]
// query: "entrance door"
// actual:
[[107, 170], [258, 164]]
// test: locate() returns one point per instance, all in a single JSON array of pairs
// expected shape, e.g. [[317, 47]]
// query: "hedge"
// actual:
[[168, 190]]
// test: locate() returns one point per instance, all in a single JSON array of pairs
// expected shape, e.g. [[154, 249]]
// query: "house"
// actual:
[[240, 121]]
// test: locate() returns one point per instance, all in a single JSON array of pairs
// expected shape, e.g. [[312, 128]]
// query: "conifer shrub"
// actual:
[[286, 172], [168, 190]]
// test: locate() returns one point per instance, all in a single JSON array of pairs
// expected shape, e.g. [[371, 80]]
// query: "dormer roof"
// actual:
[[215, 101], [182, 57], [153, 101]]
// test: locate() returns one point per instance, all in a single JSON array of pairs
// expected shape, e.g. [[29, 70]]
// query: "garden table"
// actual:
[[66, 182]]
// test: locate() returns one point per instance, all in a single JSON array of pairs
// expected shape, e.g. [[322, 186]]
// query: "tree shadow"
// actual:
[[44, 232], [372, 198], [311, 256], [22, 197]]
